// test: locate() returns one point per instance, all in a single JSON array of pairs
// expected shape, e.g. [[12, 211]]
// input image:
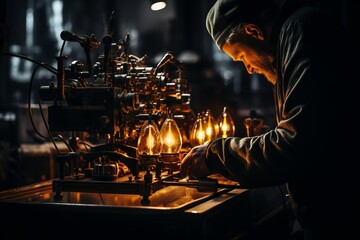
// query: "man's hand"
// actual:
[[194, 164]]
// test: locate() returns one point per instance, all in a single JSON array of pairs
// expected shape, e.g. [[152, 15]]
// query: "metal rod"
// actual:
[[202, 185]]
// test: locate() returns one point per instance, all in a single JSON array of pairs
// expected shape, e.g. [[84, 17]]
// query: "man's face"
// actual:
[[256, 56]]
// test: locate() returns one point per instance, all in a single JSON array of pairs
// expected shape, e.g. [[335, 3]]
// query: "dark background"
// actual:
[[32, 28]]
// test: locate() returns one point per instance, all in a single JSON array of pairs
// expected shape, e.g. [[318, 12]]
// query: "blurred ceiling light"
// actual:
[[157, 5]]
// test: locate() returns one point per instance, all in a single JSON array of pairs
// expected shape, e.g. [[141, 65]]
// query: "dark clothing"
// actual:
[[312, 148]]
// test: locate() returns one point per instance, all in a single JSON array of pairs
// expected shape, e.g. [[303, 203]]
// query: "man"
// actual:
[[302, 51]]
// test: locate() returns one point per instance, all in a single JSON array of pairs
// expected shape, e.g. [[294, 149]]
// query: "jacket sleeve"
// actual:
[[282, 153]]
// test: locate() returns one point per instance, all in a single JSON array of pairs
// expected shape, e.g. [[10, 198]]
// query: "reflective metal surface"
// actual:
[[174, 212], [167, 198]]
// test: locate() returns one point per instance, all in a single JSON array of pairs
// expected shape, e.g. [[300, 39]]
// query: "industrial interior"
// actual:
[[89, 90]]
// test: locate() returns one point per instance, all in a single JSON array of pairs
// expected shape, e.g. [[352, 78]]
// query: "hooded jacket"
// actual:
[[312, 148]]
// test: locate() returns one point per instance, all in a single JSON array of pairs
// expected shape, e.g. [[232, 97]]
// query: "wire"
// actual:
[[47, 127], [29, 104], [49, 68], [86, 145], [102, 199], [44, 65], [66, 143]]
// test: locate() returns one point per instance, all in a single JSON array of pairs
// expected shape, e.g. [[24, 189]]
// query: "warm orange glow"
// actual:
[[254, 126], [226, 124], [169, 139], [149, 142], [211, 128], [200, 135], [198, 132], [209, 131], [170, 136]]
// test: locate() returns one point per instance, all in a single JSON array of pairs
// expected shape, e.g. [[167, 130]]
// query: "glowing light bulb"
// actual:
[[170, 136], [211, 127], [226, 124], [198, 132], [149, 141]]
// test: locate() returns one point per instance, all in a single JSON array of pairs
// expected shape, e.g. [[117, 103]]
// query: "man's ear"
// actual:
[[254, 31]]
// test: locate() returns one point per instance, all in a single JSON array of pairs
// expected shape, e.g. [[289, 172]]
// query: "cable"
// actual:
[[29, 104], [65, 142], [86, 145], [47, 127], [102, 199], [51, 69], [44, 65]]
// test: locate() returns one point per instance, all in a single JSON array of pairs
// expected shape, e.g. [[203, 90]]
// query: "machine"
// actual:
[[104, 107]]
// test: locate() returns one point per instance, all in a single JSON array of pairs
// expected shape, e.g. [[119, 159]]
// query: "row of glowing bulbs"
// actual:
[[168, 139]]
